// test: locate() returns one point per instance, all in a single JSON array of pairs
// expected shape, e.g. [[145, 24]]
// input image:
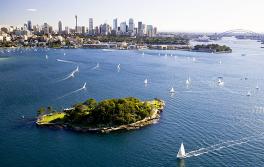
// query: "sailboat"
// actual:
[[77, 69], [172, 90], [181, 153], [249, 93], [146, 81], [64, 54], [220, 62], [257, 87], [188, 81], [84, 86], [118, 67], [194, 59], [220, 82], [143, 54], [47, 57]]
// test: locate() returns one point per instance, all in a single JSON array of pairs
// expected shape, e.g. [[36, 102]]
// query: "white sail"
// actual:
[[181, 153], [249, 93], [84, 86], [172, 90], [118, 67], [47, 57], [188, 81], [257, 87], [146, 81]]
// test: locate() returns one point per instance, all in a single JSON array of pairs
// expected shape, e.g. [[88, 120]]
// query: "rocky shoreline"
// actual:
[[136, 125]]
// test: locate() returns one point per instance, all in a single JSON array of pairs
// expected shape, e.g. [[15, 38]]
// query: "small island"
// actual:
[[212, 48], [104, 116]]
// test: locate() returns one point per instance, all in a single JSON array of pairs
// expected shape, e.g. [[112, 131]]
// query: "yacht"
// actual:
[[181, 153], [146, 81], [84, 86], [249, 93], [172, 90]]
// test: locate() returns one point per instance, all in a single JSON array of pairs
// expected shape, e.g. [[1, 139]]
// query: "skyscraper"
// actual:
[[29, 25], [76, 23], [46, 28], [140, 29], [149, 30], [131, 26], [60, 27], [91, 32], [115, 25], [104, 29], [123, 27], [155, 31]]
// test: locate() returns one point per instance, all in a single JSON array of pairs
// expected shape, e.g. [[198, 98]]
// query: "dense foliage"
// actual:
[[109, 112], [213, 47], [143, 40]]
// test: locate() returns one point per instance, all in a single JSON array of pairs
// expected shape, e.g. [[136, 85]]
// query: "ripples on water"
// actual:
[[219, 125]]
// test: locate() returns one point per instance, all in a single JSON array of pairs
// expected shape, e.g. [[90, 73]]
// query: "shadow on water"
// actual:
[[180, 163]]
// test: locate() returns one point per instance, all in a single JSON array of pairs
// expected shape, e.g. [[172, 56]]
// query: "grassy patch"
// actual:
[[51, 118]]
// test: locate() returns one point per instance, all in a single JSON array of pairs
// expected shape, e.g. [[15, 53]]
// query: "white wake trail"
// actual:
[[65, 61], [78, 90], [217, 147], [71, 75]]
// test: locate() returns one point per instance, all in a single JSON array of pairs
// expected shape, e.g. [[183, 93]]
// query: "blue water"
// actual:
[[220, 126]]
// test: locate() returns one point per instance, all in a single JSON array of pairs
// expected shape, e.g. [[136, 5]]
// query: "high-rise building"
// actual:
[[46, 28], [123, 27], [140, 29], [50, 30], [104, 29], [91, 31], [76, 23], [131, 26], [78, 30], [115, 25], [60, 27], [29, 25], [155, 31], [67, 30], [149, 30], [83, 30]]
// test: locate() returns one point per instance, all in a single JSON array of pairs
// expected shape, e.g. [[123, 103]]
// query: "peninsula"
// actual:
[[103, 117]]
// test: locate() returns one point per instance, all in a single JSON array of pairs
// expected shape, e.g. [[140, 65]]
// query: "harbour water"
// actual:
[[219, 125]]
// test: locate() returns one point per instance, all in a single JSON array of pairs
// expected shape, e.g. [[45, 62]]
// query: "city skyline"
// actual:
[[188, 16]]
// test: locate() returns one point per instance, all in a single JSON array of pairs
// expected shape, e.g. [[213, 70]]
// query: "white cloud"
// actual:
[[32, 10]]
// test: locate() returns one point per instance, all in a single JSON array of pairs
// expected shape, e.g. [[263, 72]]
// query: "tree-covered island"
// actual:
[[104, 116], [212, 48]]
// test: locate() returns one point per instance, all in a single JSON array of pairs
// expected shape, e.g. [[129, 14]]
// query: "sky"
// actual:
[[167, 15]]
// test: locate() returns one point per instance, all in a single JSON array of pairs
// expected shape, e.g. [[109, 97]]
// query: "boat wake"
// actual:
[[72, 74], [226, 144], [70, 93], [65, 61], [96, 67]]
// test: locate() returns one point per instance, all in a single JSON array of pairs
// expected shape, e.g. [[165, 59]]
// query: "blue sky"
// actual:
[[167, 15]]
